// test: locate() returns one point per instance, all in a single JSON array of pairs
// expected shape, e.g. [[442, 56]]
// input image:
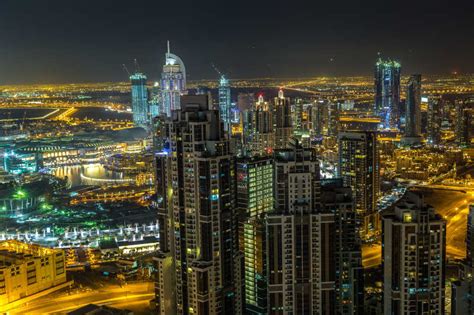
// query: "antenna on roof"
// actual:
[[215, 68]]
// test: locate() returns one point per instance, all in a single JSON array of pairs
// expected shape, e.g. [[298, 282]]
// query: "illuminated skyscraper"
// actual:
[[173, 82], [140, 108], [300, 238], [254, 200], [197, 200], [464, 121], [434, 121], [413, 258], [263, 139], [282, 120], [317, 118], [225, 103], [332, 119], [387, 92], [359, 169], [413, 111]]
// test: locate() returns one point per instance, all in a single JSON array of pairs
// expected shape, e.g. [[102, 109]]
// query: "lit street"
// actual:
[[134, 297]]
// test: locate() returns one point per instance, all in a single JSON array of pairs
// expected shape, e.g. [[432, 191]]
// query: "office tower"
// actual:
[[462, 290], [434, 121], [413, 257], [464, 128], [155, 101], [225, 103], [282, 120], [332, 119], [247, 124], [387, 92], [263, 140], [317, 118], [245, 101], [359, 169], [173, 82], [300, 238], [254, 185], [349, 278], [139, 99], [254, 200], [302, 125], [412, 134], [197, 200]]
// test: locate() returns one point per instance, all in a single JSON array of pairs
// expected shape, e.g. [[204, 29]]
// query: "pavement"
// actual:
[[134, 297]]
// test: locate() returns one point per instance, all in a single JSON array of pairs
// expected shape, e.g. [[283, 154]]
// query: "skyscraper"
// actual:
[[254, 201], [349, 272], [317, 118], [140, 107], [225, 102], [197, 202], [263, 140], [464, 127], [282, 120], [387, 92], [300, 238], [434, 121], [413, 258], [359, 169], [413, 111], [173, 82]]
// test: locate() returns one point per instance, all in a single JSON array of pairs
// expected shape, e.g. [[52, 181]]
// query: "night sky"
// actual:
[[54, 41]]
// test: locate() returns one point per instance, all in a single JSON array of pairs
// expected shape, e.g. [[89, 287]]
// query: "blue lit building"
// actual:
[[173, 82], [387, 92], [225, 102], [139, 99], [19, 163]]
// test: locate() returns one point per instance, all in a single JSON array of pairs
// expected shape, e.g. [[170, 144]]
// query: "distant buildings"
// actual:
[[26, 269], [412, 134], [140, 108], [225, 103], [282, 120], [173, 82], [435, 119], [464, 128], [413, 258], [387, 92], [359, 168]]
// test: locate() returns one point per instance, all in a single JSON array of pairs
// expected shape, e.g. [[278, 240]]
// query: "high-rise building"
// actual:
[[434, 121], [199, 267], [225, 102], [349, 278], [413, 111], [359, 169], [464, 128], [245, 101], [413, 258], [300, 238], [332, 121], [173, 82], [140, 109], [254, 200], [387, 92], [263, 138], [282, 120], [317, 118]]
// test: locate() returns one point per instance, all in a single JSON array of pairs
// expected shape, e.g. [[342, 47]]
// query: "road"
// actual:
[[454, 207], [134, 297]]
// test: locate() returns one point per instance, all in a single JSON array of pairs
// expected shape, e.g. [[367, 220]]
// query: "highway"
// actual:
[[134, 297]]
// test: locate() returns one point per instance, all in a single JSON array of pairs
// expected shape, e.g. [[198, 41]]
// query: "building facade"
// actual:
[[198, 207], [225, 103], [282, 122], [359, 168], [139, 99], [434, 121], [413, 258], [263, 135], [387, 92], [173, 83], [412, 134]]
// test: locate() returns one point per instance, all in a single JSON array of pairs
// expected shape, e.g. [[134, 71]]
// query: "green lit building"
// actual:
[[254, 200]]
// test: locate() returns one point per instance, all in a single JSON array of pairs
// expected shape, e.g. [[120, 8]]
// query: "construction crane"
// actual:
[[125, 69]]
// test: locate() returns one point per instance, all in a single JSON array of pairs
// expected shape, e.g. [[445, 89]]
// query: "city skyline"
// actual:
[[55, 44]]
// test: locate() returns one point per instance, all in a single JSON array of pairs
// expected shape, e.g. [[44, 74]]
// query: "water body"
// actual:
[[74, 172], [20, 113]]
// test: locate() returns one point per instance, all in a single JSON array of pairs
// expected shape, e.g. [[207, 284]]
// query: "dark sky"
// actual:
[[43, 41]]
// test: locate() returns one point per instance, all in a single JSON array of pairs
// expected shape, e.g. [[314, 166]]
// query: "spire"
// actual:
[[168, 44]]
